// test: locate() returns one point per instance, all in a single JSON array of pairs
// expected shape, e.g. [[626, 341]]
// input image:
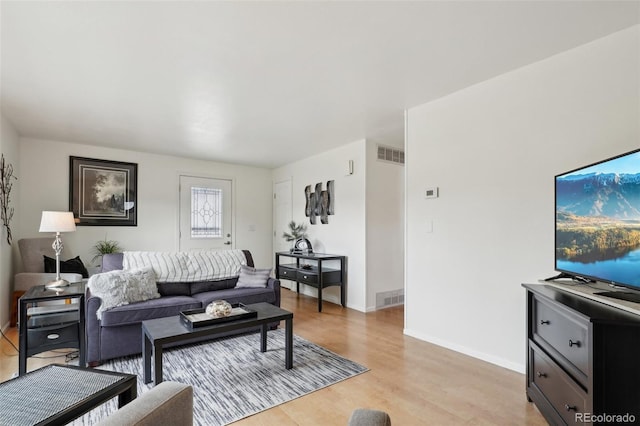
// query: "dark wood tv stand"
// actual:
[[583, 358]]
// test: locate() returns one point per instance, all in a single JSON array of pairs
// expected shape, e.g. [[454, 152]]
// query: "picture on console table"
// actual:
[[102, 192]]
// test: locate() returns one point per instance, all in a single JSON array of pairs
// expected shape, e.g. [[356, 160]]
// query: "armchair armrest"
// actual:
[[169, 403]]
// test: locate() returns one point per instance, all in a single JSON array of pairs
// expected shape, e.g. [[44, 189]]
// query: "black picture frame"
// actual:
[[103, 192]]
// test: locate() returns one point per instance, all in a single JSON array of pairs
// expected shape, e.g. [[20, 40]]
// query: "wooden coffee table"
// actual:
[[58, 394], [157, 333]]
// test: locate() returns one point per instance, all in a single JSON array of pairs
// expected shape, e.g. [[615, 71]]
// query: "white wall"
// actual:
[[9, 147], [493, 149], [44, 167], [385, 225], [345, 234]]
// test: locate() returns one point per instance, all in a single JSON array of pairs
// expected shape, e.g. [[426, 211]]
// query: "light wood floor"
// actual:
[[416, 382]]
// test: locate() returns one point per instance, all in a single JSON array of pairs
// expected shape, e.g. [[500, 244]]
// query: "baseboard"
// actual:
[[492, 359]]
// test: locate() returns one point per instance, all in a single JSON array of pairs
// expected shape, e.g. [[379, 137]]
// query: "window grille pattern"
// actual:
[[206, 213]]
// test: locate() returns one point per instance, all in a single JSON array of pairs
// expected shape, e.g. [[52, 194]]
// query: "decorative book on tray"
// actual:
[[196, 318]]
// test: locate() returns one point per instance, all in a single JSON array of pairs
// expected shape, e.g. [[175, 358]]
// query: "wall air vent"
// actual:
[[391, 155], [389, 298]]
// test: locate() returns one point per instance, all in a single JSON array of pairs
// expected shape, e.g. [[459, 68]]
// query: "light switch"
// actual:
[[429, 226]]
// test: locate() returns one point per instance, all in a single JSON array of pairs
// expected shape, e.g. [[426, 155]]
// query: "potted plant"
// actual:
[[296, 231], [105, 247]]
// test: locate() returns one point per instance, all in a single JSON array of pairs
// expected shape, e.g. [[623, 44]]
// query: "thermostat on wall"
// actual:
[[431, 193]]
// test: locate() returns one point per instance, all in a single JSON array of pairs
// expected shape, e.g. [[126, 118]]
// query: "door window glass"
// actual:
[[206, 213]]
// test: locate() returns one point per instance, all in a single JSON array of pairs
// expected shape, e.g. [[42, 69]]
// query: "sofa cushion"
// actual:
[[252, 277], [174, 289], [202, 286], [118, 288], [237, 295], [150, 309]]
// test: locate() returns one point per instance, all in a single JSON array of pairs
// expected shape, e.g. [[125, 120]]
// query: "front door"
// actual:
[[205, 213]]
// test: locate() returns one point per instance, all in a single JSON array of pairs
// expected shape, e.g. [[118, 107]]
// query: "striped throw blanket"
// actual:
[[187, 266]]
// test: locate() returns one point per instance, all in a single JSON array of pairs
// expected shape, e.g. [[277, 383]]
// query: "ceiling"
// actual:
[[264, 83]]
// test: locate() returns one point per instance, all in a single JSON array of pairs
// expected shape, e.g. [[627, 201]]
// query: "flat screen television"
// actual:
[[598, 224]]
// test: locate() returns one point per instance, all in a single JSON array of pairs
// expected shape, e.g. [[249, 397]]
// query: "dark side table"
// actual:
[[313, 273], [58, 394], [46, 328]]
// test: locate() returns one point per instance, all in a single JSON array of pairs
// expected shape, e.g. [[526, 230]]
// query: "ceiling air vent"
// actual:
[[392, 155]]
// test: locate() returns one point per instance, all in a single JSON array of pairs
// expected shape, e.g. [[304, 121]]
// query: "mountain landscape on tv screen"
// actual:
[[597, 216]]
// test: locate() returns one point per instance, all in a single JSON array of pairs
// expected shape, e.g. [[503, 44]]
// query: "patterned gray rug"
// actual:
[[232, 379]]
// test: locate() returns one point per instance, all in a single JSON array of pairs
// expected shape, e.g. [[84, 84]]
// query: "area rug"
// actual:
[[232, 379]]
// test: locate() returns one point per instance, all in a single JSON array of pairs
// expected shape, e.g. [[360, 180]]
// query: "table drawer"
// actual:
[[563, 393], [53, 336], [564, 333], [287, 273], [310, 276]]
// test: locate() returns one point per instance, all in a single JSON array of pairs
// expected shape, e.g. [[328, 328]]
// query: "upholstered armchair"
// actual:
[[32, 251]]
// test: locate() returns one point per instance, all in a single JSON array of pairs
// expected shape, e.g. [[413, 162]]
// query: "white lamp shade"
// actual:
[[57, 222]]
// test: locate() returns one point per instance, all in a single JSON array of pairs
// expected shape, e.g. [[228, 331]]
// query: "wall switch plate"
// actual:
[[429, 226], [431, 192]]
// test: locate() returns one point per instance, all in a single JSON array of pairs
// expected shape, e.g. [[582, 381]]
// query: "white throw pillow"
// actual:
[[117, 288], [252, 277]]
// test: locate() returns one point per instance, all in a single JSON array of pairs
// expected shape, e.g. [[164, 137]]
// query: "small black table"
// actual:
[[161, 331], [316, 275], [56, 327], [58, 394]]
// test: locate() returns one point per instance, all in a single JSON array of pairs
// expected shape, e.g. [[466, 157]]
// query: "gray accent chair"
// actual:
[[32, 251], [368, 417], [168, 404]]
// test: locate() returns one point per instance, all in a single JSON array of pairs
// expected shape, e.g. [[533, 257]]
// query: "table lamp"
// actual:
[[57, 222]]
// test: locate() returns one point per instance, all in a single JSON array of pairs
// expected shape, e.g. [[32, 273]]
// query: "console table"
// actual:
[[316, 274], [582, 357], [46, 328]]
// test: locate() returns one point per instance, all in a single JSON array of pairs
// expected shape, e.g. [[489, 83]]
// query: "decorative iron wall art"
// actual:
[[319, 203], [6, 212]]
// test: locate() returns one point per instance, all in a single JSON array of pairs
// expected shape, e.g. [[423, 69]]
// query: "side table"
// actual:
[[58, 394], [51, 327], [316, 275]]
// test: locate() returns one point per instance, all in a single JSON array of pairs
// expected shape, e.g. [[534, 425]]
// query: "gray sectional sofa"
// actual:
[[118, 333]]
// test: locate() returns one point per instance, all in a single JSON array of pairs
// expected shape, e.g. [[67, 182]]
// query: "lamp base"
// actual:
[[57, 284]]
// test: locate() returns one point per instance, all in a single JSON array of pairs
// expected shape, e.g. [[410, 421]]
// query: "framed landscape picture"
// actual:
[[102, 192]]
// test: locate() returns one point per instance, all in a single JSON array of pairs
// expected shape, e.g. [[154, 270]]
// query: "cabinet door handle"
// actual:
[[543, 322], [572, 343], [541, 374], [570, 407]]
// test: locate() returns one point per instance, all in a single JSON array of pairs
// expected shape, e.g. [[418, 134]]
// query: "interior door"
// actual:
[[206, 214], [282, 215]]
